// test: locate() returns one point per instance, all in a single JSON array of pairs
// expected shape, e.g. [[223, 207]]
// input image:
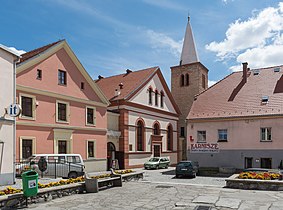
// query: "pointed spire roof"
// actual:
[[189, 53]]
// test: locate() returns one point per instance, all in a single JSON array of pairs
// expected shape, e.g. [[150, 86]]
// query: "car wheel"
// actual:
[[157, 167], [178, 175], [194, 176], [72, 175]]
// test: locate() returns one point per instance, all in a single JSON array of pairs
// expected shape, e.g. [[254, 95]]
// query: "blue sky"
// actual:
[[109, 36]]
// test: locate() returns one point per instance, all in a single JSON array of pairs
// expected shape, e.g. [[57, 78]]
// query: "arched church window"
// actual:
[[150, 96], [156, 97], [187, 79], [162, 99], [140, 136], [182, 82]]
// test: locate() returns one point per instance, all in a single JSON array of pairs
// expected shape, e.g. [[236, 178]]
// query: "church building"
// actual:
[[188, 79]]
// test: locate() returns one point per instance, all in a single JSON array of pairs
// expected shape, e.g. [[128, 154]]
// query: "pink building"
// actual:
[[238, 121], [63, 110]]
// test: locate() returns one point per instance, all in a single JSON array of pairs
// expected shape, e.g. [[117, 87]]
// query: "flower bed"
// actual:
[[10, 190], [255, 181], [260, 176]]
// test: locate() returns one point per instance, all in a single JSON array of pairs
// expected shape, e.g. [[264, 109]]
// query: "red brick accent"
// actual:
[[124, 141]]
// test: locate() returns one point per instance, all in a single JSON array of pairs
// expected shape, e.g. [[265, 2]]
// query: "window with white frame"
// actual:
[[28, 106], [222, 135], [265, 134], [90, 115], [62, 111], [201, 136], [62, 77], [27, 147], [90, 149]]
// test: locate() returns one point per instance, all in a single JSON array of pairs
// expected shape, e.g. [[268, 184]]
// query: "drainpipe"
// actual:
[[14, 120]]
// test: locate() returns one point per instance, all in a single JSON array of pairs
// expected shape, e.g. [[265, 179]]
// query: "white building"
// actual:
[[8, 60], [147, 117]]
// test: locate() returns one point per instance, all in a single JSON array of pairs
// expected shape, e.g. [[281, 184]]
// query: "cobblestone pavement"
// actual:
[[142, 195], [168, 175], [160, 190]]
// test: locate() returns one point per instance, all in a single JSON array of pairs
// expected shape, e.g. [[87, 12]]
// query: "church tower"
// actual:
[[188, 79]]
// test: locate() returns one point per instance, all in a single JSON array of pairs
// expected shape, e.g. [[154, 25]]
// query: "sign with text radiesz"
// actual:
[[14, 110], [205, 148]]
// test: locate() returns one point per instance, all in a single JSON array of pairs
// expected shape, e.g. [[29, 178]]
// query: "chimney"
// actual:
[[117, 92], [100, 77], [245, 71], [128, 71], [121, 85]]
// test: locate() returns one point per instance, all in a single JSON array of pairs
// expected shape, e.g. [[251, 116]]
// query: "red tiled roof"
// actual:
[[231, 97], [131, 81], [37, 51]]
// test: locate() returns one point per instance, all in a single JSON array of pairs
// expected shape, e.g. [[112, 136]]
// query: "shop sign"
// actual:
[[205, 148]]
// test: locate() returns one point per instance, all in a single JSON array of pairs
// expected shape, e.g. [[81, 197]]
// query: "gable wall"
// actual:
[[59, 60], [142, 96]]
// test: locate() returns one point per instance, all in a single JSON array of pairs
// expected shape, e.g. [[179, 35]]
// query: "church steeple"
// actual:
[[189, 53]]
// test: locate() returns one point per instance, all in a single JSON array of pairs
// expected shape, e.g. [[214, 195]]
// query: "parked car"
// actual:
[[157, 162], [187, 168], [61, 165]]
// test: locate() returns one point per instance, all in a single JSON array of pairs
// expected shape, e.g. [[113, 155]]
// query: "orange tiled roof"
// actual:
[[232, 98], [131, 82], [36, 52]]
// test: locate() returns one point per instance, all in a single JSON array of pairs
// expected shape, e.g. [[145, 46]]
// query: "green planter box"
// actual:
[[30, 183]]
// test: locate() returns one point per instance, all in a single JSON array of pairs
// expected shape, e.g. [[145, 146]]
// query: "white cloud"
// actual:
[[19, 52], [160, 40], [258, 40], [226, 1], [211, 82]]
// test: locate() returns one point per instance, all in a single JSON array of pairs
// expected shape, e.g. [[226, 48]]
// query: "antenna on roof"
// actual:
[[188, 15]]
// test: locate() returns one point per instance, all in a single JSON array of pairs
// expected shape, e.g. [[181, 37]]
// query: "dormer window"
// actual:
[[276, 69], [264, 99], [256, 72]]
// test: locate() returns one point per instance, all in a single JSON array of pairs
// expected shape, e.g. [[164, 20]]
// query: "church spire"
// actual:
[[189, 53]]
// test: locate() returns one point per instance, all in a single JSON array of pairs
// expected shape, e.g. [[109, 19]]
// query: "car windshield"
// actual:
[[153, 159], [184, 164]]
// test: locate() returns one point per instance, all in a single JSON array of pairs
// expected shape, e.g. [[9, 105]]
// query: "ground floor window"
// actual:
[[266, 163], [248, 162], [90, 149], [62, 147], [27, 148]]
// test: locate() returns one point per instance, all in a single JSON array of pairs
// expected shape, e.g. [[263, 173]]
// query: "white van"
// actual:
[[59, 165]]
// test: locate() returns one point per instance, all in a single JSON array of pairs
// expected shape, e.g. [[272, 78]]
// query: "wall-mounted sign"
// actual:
[[14, 110], [205, 148]]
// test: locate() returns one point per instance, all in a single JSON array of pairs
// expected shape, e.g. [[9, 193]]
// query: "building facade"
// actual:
[[8, 61], [237, 122], [148, 116], [63, 110], [188, 79]]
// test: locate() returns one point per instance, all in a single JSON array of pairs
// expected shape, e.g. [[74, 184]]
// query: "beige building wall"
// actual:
[[243, 141]]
